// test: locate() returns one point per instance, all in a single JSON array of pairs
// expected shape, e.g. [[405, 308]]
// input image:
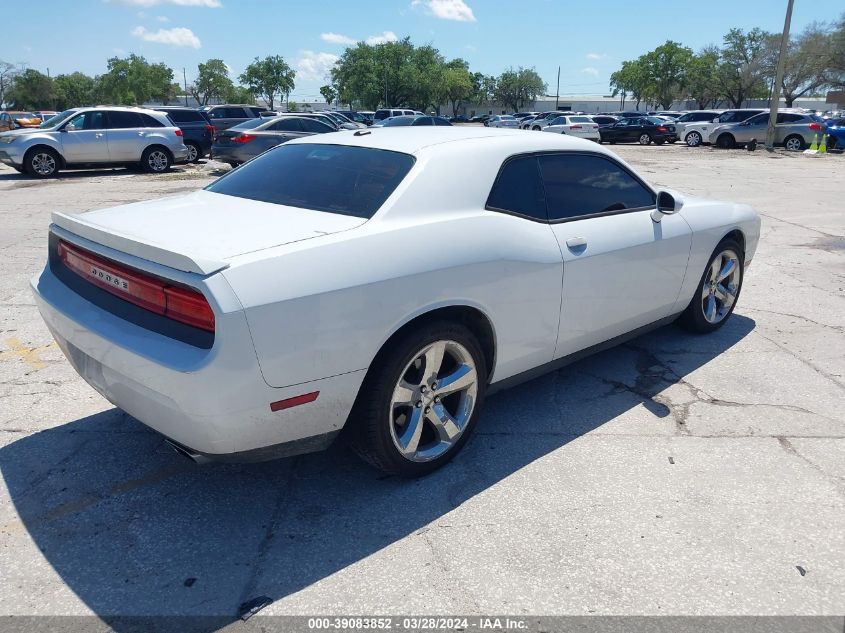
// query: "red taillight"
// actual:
[[243, 138], [661, 128], [179, 132], [574, 127], [815, 126], [180, 304], [294, 402], [210, 128]]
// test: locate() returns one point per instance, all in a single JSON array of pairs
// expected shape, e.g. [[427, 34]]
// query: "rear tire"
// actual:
[[394, 422], [41, 162], [194, 152], [645, 139], [156, 160], [794, 143], [693, 139], [715, 299]]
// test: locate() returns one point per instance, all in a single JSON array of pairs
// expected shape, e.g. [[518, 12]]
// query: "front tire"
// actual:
[[420, 401], [718, 290], [693, 139], [645, 139], [41, 162], [156, 160], [726, 141]]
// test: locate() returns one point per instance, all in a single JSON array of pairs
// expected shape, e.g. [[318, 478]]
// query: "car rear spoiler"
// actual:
[[77, 225]]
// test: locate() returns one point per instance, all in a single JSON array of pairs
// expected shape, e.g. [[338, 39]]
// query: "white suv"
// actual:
[[386, 113], [94, 137]]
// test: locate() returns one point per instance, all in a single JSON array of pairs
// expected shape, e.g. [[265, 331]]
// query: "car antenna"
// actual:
[[362, 132]]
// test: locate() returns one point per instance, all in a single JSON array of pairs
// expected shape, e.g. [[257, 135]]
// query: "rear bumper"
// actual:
[[180, 154], [213, 401], [228, 153]]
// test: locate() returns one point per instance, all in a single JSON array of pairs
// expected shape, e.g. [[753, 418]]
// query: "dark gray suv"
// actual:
[[224, 116]]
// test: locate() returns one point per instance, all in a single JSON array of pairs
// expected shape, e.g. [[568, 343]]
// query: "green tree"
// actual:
[[667, 68], [808, 62], [702, 84], [293, 106], [134, 81], [519, 87], [269, 77], [240, 94], [75, 89], [630, 80], [329, 94], [742, 71], [32, 90], [8, 72], [459, 84], [212, 82]]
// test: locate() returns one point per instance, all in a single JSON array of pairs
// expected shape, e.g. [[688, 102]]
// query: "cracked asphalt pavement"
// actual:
[[676, 474]]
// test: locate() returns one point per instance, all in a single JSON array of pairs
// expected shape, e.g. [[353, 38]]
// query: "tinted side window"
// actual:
[[286, 125], [441, 121], [119, 119], [185, 116], [518, 188], [578, 185], [148, 121], [318, 127], [789, 118], [256, 112], [423, 120]]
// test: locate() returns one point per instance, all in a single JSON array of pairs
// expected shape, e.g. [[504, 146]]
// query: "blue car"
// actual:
[[836, 133]]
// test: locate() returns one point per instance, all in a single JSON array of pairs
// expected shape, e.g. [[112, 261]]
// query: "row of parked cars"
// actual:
[[795, 129]]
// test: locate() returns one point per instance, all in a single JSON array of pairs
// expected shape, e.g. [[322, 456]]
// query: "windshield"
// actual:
[[331, 178], [53, 121]]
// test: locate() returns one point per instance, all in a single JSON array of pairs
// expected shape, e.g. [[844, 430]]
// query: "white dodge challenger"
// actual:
[[380, 280]]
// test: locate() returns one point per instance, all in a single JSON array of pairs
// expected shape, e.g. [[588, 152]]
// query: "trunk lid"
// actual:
[[201, 231]]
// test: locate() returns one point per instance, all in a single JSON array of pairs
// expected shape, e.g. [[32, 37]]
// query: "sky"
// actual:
[[587, 39]]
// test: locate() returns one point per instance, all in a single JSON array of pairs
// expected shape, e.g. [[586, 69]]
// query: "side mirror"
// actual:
[[667, 204]]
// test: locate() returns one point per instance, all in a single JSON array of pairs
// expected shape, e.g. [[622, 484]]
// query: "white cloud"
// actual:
[[311, 66], [589, 70], [178, 36], [596, 55], [336, 38], [211, 4], [387, 36], [456, 10]]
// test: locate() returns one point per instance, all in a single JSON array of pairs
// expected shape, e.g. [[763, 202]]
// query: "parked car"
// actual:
[[525, 123], [86, 137], [197, 131], [224, 116], [368, 115], [460, 118], [503, 120], [695, 134], [836, 133], [581, 126], [25, 119], [318, 116], [415, 121], [7, 122], [629, 114], [794, 130], [604, 119], [642, 130], [695, 116], [250, 318], [385, 113], [341, 121], [45, 114], [480, 118], [355, 117], [242, 142], [544, 119]]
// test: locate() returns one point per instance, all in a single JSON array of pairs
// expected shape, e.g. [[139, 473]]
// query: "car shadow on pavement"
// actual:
[[133, 529], [11, 175]]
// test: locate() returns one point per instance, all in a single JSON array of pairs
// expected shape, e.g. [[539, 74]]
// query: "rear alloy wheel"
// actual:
[[41, 162], [718, 291], [726, 141], [645, 139], [418, 406], [693, 139], [156, 160], [194, 153], [794, 143]]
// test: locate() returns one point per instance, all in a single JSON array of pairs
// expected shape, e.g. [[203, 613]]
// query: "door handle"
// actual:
[[142, 133], [576, 242], [98, 135]]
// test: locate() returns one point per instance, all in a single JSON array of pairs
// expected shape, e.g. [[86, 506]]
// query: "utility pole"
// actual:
[[557, 91], [185, 82], [773, 111]]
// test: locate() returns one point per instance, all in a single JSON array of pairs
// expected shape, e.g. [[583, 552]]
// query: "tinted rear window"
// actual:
[[333, 178], [185, 116]]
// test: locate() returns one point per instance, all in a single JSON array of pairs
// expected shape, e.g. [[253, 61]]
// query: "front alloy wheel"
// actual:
[[693, 139], [718, 291], [42, 164], [645, 139]]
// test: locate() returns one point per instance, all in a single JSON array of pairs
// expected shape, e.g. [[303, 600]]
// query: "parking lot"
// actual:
[[676, 474]]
